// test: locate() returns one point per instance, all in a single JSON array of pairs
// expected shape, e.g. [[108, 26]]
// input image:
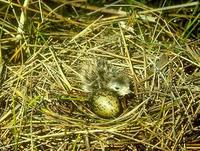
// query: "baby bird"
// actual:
[[99, 74]]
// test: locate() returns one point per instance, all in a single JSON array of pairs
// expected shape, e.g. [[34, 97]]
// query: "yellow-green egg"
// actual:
[[105, 104]]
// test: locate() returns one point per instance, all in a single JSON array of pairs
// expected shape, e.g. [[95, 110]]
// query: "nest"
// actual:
[[43, 107]]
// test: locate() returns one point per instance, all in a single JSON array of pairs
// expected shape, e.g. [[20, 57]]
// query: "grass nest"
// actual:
[[42, 105]]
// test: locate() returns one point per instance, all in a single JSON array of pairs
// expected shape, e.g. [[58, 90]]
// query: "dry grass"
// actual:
[[42, 106]]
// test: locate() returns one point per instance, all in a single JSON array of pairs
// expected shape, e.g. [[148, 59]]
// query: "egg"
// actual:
[[105, 104]]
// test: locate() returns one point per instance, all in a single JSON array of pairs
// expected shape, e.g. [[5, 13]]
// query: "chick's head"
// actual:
[[120, 85]]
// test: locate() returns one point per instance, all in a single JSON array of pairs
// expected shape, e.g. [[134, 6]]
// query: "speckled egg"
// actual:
[[105, 104]]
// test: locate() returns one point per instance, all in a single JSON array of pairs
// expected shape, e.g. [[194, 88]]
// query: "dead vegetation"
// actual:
[[42, 106]]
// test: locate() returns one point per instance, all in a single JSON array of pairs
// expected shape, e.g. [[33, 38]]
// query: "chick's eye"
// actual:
[[116, 88]]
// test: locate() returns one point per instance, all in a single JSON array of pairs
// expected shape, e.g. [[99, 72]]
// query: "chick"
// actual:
[[99, 74]]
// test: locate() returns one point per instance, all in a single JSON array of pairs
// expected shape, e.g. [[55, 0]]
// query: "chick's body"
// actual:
[[100, 74]]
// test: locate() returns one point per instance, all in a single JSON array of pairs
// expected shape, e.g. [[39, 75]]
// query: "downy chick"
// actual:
[[100, 74]]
